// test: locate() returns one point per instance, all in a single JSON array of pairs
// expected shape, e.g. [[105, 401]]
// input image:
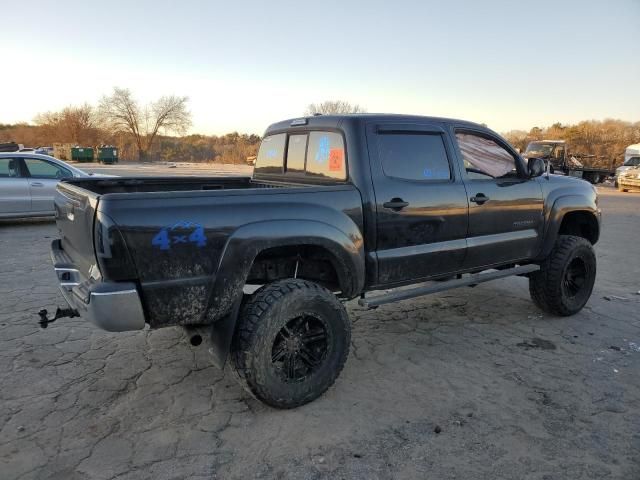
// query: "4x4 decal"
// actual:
[[180, 233]]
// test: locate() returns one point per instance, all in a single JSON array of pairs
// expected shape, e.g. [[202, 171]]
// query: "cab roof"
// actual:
[[338, 121]]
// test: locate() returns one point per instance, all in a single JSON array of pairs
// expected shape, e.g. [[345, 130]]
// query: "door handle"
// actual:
[[395, 204], [37, 184], [480, 198]]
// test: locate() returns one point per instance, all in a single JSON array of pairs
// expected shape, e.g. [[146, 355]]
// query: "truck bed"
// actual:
[[169, 237]]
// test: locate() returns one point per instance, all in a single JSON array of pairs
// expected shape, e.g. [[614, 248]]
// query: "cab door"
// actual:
[[14, 188], [421, 202], [505, 205]]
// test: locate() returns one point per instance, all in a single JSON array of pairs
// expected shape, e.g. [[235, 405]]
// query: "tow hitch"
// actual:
[[60, 313]]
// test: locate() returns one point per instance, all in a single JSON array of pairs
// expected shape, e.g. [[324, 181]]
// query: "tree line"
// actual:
[[156, 131], [606, 139], [144, 132]]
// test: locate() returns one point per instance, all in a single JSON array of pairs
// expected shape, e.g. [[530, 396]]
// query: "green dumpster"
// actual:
[[82, 154], [108, 155]]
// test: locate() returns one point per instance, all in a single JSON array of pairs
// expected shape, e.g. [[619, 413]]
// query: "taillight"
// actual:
[[112, 253]]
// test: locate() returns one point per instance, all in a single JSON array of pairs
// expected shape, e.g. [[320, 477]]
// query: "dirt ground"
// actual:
[[512, 392]]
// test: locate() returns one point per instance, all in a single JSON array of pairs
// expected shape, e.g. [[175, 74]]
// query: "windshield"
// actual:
[[539, 149], [632, 162]]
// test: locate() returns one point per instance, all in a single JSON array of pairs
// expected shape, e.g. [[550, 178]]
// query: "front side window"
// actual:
[[43, 169], [9, 168], [484, 158], [271, 154], [325, 155], [410, 156]]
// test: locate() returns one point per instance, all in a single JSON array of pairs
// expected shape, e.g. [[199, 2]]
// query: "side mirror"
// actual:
[[536, 167]]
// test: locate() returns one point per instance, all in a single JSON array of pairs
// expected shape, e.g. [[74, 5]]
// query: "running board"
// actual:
[[472, 279]]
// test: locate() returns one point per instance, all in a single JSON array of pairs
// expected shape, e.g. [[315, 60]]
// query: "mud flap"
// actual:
[[222, 335]]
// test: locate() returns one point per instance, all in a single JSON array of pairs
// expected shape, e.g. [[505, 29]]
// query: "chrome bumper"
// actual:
[[112, 306]]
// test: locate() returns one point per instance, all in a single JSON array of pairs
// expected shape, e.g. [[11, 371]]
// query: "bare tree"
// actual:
[[78, 121], [120, 112], [329, 107], [74, 124]]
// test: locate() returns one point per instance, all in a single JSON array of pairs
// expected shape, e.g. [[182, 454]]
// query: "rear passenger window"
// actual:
[[9, 167], [325, 157], [271, 154], [414, 156], [295, 153]]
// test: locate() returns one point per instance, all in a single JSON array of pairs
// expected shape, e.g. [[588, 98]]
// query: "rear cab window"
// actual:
[[313, 155], [270, 159], [296, 153], [325, 155]]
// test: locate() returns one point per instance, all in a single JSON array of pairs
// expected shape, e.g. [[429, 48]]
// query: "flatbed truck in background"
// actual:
[[555, 153]]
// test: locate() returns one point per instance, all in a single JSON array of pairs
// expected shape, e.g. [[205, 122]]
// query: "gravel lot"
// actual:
[[514, 393]]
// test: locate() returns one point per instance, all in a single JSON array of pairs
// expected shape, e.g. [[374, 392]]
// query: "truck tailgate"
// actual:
[[75, 211]]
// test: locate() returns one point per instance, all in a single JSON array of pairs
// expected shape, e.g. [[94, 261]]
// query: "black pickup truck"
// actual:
[[338, 207]]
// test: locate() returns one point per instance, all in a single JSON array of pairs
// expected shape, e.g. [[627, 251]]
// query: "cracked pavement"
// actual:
[[514, 393]]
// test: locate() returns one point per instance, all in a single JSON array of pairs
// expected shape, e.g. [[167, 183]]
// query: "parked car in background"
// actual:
[[629, 179], [632, 151], [27, 150], [45, 151], [629, 163], [28, 183], [9, 147]]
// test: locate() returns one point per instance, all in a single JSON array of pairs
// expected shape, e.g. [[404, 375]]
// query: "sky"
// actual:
[[246, 64]]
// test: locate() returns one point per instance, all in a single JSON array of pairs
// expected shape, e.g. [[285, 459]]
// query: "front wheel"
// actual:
[[565, 280], [291, 343]]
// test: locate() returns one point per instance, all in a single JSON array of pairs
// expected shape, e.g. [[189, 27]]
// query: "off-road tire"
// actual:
[[260, 326], [551, 288]]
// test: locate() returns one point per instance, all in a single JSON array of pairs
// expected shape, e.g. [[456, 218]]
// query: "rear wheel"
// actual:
[[621, 188], [291, 343], [565, 281]]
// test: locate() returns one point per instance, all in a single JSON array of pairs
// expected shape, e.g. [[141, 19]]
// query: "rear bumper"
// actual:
[[112, 306]]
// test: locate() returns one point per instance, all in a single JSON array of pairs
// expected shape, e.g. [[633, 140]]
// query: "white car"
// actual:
[[28, 183], [629, 163]]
